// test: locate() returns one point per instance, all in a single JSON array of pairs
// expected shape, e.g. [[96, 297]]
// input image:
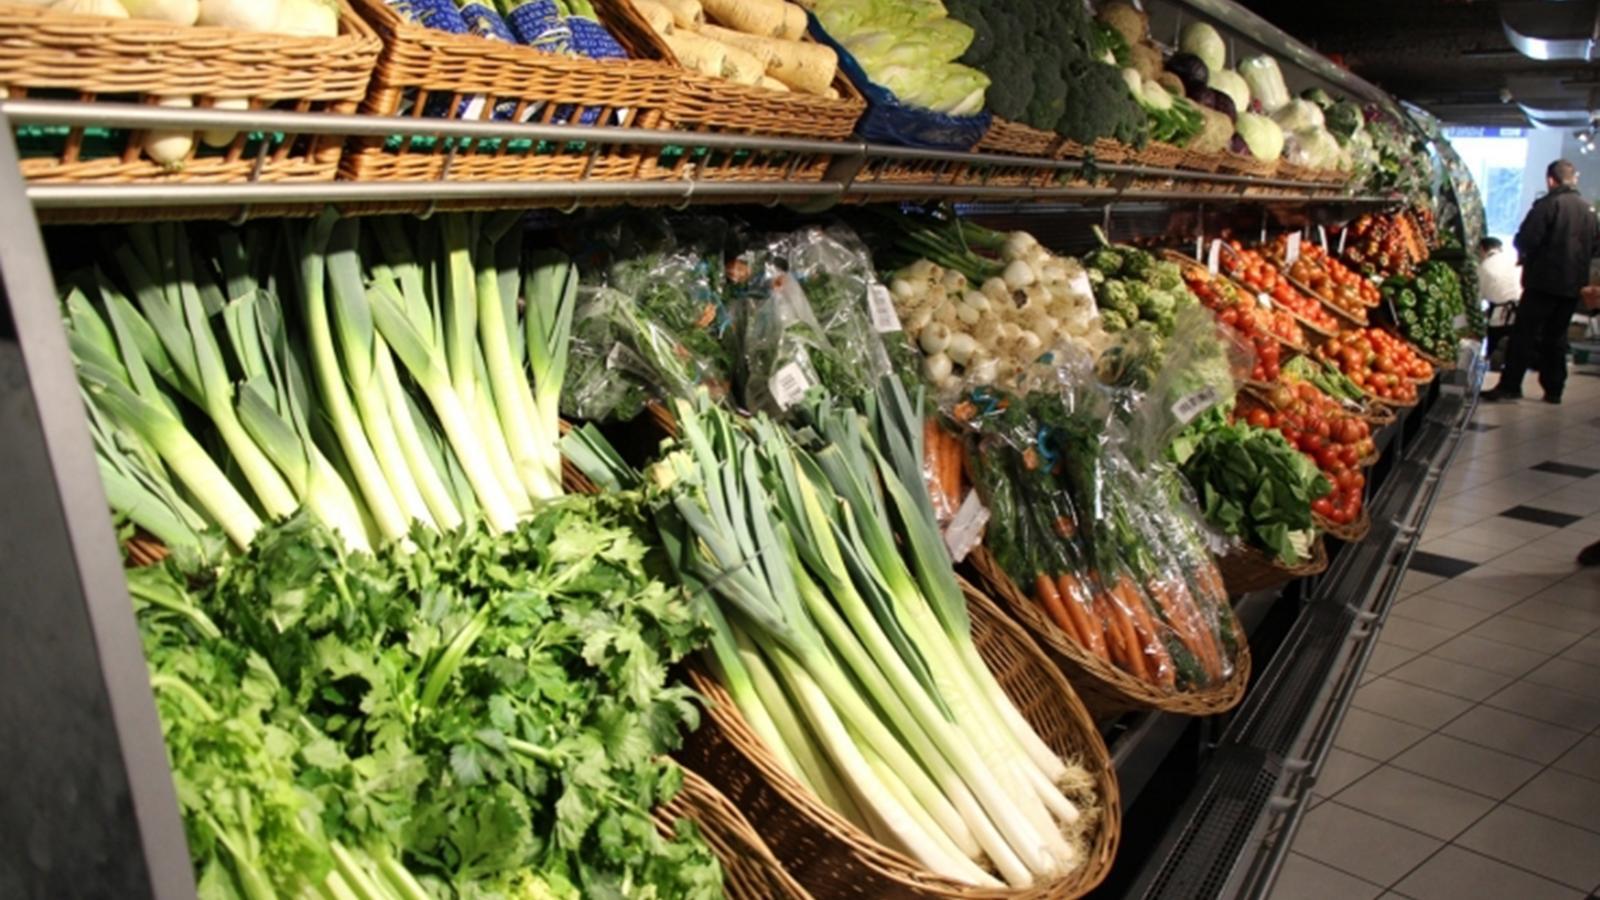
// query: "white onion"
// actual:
[[902, 289], [245, 15], [987, 334], [995, 289], [1029, 345], [1018, 243], [917, 320], [967, 314], [1053, 272], [178, 12], [983, 369], [945, 313], [110, 9], [1034, 297], [954, 281], [934, 338], [169, 149], [219, 137], [1009, 333], [961, 348], [307, 18], [936, 368], [921, 270], [1018, 274], [977, 300], [937, 294], [1042, 324]]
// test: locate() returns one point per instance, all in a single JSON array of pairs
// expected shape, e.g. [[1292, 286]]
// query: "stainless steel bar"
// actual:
[[134, 115], [69, 196], [982, 192]]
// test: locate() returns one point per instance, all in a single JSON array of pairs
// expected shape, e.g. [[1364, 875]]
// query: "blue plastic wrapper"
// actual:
[[533, 24], [483, 21], [591, 39], [440, 15], [889, 121]]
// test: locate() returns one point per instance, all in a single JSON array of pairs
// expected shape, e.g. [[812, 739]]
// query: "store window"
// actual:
[[1498, 159]]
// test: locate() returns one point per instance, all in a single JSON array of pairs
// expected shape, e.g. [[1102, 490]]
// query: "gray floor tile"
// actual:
[[1476, 594], [1583, 759], [1549, 704], [1547, 611], [1457, 874], [1568, 675], [1419, 803], [1517, 735], [1386, 656], [1341, 769], [1443, 613], [1525, 634], [1538, 843], [1562, 795], [1456, 679], [1414, 635], [1374, 736], [1467, 765], [1409, 703], [1491, 656], [1417, 581], [1303, 878], [1365, 846], [1586, 651]]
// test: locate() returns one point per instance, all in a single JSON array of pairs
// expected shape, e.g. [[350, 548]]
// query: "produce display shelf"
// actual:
[[856, 173], [1233, 807]]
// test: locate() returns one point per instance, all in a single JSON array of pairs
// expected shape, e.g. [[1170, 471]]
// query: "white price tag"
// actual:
[[1292, 253], [790, 384], [1263, 300], [880, 305], [1343, 233], [1322, 238], [1214, 258], [1080, 286], [1459, 322], [966, 528], [1199, 245], [1196, 403]]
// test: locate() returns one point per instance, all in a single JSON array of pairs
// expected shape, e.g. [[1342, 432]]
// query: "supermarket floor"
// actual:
[[1469, 767]]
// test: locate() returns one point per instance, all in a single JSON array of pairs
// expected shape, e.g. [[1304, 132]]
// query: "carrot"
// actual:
[[932, 446], [1161, 662], [1116, 646], [1072, 593], [1132, 661], [957, 454], [1044, 590], [1180, 615], [965, 411], [1080, 620]]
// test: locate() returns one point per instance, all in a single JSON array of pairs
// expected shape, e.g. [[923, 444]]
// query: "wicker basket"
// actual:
[[1106, 690], [1159, 154], [705, 104], [1200, 162], [1302, 174], [1017, 139], [1350, 532], [1247, 569], [424, 72], [1107, 150], [1236, 164], [1338, 312], [833, 858], [749, 870], [44, 54], [1378, 414]]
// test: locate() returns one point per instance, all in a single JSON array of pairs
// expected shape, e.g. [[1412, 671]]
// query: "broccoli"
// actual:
[[982, 48], [1011, 85], [1112, 321], [1049, 101], [1100, 106]]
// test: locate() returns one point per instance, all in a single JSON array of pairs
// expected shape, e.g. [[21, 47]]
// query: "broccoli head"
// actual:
[[1049, 101], [982, 48], [1011, 85]]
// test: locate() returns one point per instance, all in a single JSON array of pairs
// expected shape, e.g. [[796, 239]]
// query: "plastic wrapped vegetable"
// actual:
[[1229, 82], [1297, 114], [1261, 135], [1266, 82], [1312, 147], [1203, 41]]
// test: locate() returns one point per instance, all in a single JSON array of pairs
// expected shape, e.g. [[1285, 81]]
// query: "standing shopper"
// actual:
[[1500, 282], [1556, 242]]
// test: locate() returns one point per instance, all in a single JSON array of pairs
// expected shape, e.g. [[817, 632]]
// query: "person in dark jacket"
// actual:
[[1556, 242]]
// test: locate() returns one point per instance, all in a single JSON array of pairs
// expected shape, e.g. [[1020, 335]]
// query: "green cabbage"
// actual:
[[1297, 114], [1203, 41], [1261, 134], [1266, 82], [1229, 82]]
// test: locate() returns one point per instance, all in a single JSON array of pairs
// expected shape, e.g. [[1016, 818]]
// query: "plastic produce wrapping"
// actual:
[[887, 120], [651, 318], [1204, 366]]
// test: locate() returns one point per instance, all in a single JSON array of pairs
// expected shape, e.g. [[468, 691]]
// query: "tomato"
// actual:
[[1322, 507], [1324, 430], [1260, 418]]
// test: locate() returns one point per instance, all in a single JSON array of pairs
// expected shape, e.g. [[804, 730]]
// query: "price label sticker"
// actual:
[[1264, 300], [1322, 238], [966, 528], [1199, 245], [1459, 322], [1194, 404], [1080, 286], [1343, 233], [1214, 258], [880, 305], [790, 384], [1292, 253]]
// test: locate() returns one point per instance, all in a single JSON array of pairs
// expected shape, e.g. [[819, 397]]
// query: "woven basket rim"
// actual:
[[1185, 259], [892, 865], [207, 34], [1106, 678], [1334, 308], [732, 838], [1252, 555], [1349, 533]]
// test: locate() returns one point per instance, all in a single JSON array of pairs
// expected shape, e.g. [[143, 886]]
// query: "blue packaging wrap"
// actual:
[[483, 21], [591, 39], [533, 24], [440, 15], [890, 121]]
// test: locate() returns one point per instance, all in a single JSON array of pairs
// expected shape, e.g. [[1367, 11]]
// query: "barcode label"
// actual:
[[1292, 254], [1196, 403], [1459, 322], [1214, 258], [1079, 286], [790, 384], [966, 528], [880, 305], [1263, 301]]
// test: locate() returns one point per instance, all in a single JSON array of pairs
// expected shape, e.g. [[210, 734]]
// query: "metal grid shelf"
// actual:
[[858, 172]]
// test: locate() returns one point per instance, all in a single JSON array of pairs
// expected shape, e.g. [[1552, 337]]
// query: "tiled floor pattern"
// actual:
[[1469, 765]]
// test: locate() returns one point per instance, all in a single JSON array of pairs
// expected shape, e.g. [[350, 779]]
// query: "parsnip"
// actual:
[[764, 49], [802, 65], [742, 66], [685, 13], [794, 22], [773, 84], [763, 17], [697, 53], [657, 16]]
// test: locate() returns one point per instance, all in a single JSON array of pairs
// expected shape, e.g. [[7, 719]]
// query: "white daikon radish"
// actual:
[[657, 16], [685, 13], [763, 17], [110, 9], [245, 15], [178, 12], [773, 84], [307, 18], [219, 137], [794, 22], [169, 149], [697, 53]]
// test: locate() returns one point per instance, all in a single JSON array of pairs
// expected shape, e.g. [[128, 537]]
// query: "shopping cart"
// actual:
[[1502, 318]]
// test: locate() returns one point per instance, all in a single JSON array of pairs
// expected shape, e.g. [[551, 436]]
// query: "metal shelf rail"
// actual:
[[1232, 833], [858, 171]]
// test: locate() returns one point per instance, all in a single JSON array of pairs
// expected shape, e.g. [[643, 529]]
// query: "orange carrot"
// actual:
[[1072, 593], [1132, 661], [1116, 645], [1179, 612], [1044, 590], [1160, 663], [958, 454]]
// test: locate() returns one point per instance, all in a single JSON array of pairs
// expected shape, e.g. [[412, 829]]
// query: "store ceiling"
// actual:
[[1451, 57]]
